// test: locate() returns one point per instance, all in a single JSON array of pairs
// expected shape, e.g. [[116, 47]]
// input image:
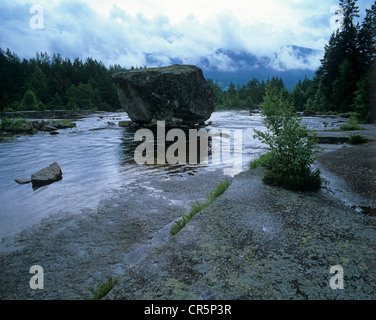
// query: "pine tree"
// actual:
[[38, 84], [29, 101]]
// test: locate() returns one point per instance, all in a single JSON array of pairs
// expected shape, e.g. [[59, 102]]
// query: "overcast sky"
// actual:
[[122, 32]]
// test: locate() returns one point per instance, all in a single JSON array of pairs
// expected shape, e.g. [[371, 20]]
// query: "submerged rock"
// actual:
[[47, 175], [178, 91]]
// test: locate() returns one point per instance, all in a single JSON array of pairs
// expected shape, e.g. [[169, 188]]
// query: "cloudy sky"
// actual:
[[126, 32]]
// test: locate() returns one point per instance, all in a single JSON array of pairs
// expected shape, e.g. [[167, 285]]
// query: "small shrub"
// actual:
[[292, 150], [351, 125], [358, 139]]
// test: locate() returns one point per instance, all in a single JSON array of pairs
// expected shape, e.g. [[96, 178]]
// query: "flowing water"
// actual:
[[96, 159]]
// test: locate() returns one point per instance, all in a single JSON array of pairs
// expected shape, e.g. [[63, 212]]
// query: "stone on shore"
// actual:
[[125, 123], [178, 91], [47, 175], [48, 128]]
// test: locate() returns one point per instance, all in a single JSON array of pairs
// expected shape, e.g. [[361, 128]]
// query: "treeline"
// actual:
[[54, 83], [248, 96], [345, 81]]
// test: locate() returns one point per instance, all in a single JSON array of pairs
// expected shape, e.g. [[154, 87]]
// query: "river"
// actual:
[[96, 159]]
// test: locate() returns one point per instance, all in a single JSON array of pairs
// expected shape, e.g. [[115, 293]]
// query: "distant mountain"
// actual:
[[291, 64]]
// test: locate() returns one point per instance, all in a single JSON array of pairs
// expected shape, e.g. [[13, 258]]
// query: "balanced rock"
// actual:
[[177, 91], [47, 175]]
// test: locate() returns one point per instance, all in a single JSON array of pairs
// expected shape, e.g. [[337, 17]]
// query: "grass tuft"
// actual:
[[261, 161], [102, 289], [199, 206]]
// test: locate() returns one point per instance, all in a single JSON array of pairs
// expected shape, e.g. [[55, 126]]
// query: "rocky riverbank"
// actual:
[[46, 114], [263, 242], [254, 242]]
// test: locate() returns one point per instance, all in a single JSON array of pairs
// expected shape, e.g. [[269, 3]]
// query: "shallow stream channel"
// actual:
[[108, 212]]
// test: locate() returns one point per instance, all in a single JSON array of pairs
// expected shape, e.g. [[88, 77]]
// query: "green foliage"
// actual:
[[247, 96], [263, 160], [365, 95], [56, 102], [342, 82], [29, 101], [291, 151], [102, 289], [38, 85], [82, 96], [199, 206], [351, 125], [13, 125], [358, 139], [51, 78]]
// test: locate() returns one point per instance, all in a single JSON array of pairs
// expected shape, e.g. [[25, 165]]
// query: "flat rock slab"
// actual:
[[178, 91], [261, 242], [47, 175]]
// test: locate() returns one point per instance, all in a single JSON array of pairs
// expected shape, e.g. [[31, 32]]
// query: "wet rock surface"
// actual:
[[78, 251], [152, 94], [261, 242]]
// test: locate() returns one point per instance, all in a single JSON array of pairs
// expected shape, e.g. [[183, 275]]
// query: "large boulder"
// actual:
[[47, 175], [162, 94]]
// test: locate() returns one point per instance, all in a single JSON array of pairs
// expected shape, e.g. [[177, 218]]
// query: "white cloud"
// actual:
[[124, 31]]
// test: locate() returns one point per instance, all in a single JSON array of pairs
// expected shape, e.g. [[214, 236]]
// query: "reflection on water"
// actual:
[[96, 159]]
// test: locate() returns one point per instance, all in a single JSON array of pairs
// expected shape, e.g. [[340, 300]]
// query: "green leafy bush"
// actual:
[[291, 151]]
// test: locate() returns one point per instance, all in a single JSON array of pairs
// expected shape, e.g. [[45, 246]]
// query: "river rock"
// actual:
[[125, 123], [47, 175], [22, 180], [177, 91], [48, 128]]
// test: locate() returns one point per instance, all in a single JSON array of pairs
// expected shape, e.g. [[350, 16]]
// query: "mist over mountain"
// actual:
[[291, 63]]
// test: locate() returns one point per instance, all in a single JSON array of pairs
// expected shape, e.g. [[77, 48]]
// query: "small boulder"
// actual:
[[125, 123], [48, 175], [48, 128]]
